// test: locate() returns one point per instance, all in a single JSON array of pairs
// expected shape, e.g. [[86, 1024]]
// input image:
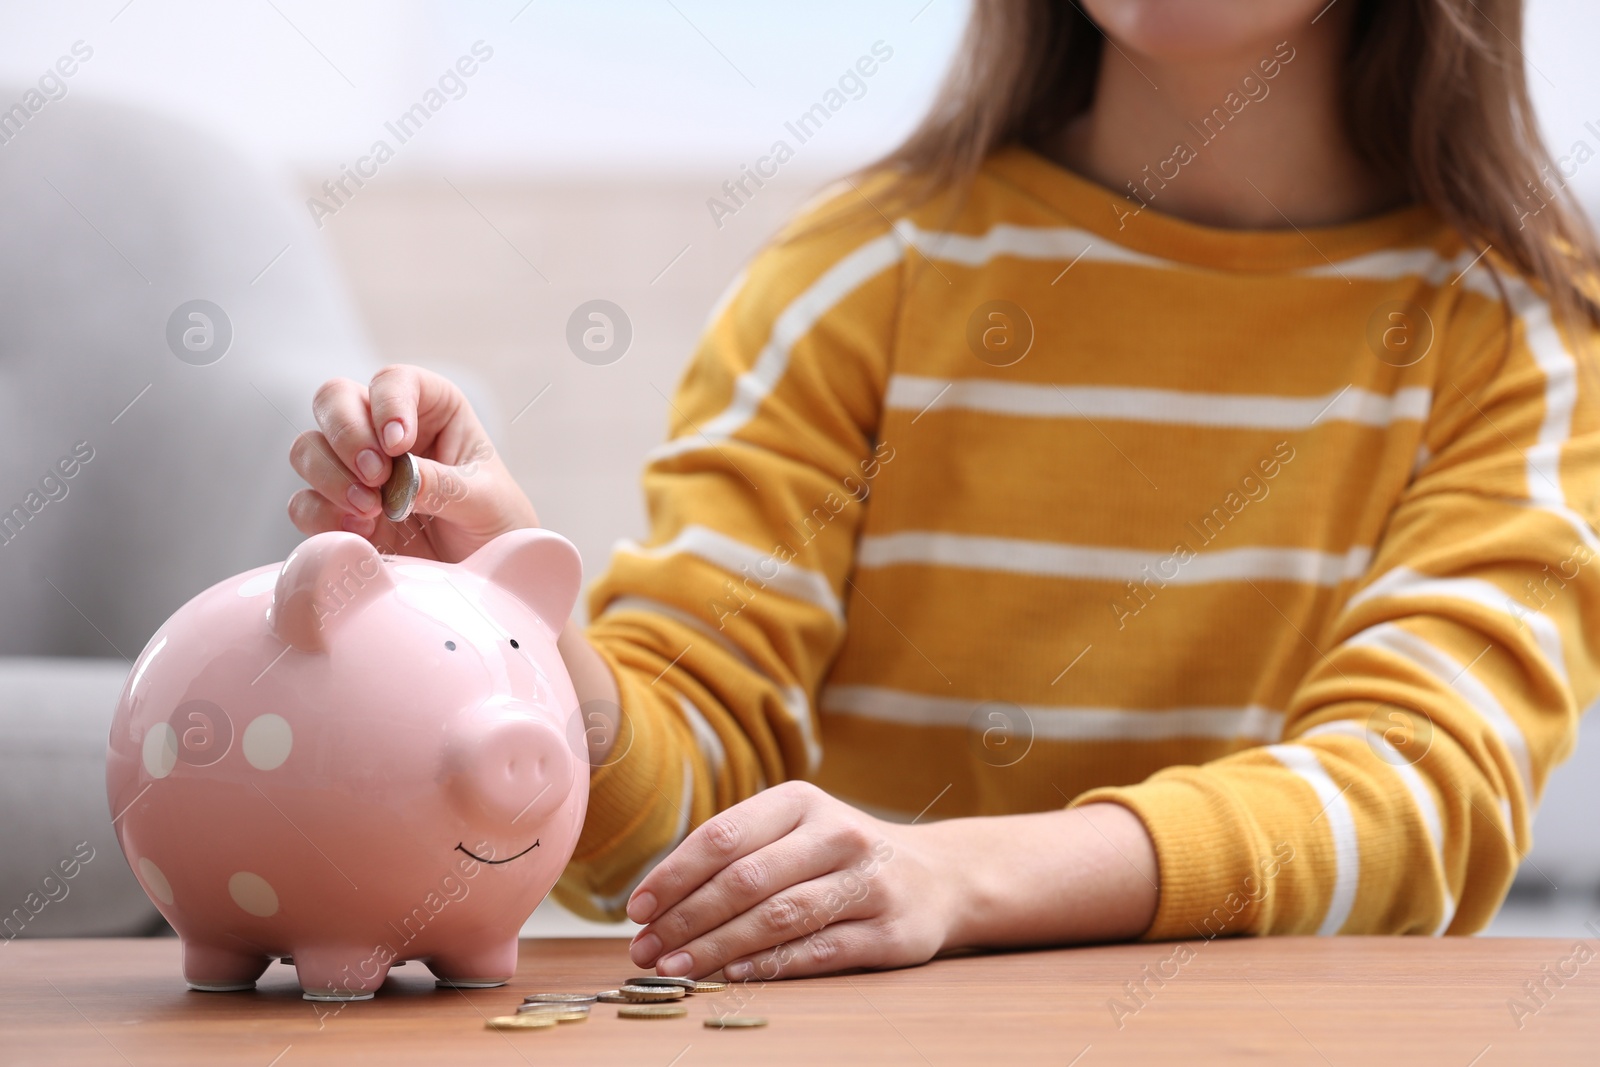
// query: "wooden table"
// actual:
[[1367, 1002]]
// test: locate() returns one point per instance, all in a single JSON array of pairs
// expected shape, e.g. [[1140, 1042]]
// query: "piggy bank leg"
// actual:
[[336, 973], [480, 968], [221, 970]]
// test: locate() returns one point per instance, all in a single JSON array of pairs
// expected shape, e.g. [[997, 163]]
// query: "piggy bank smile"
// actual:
[[297, 746], [463, 848]]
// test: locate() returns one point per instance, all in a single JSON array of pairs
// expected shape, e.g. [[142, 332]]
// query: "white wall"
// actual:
[[622, 84], [686, 85]]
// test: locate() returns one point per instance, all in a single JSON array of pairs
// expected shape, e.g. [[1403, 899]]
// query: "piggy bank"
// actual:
[[353, 760]]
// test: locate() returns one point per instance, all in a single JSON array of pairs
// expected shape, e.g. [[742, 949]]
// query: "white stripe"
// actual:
[[616, 901], [1421, 460], [792, 698], [720, 550], [1232, 411], [1064, 243], [1408, 646], [1100, 563], [1405, 582], [1560, 396], [725, 298], [1421, 796], [1341, 825], [1023, 242], [1058, 723], [705, 737], [1394, 263], [793, 323]]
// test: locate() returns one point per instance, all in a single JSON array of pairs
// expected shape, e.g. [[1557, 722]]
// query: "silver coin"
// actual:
[[400, 491], [638, 993], [559, 998], [664, 980]]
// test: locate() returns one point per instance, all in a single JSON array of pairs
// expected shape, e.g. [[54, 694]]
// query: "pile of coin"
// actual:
[[645, 997]]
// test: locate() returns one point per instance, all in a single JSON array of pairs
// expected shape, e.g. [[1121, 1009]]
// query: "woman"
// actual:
[[1170, 470]]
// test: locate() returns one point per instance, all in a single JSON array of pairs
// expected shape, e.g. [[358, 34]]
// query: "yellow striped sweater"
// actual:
[[1280, 539]]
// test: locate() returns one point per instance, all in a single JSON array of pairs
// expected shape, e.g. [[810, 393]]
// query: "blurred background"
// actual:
[[228, 152]]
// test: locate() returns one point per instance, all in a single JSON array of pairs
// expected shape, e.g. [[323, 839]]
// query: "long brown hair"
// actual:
[[1436, 102]]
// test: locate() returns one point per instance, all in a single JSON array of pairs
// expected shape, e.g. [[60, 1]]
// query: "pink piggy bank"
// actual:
[[356, 760]]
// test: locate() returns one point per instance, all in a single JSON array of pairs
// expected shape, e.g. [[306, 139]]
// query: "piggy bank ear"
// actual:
[[323, 584], [539, 568]]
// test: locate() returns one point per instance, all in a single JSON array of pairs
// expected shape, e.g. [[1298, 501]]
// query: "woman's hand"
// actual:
[[793, 882], [467, 496]]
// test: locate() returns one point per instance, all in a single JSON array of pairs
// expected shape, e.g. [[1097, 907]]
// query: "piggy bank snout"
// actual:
[[512, 769]]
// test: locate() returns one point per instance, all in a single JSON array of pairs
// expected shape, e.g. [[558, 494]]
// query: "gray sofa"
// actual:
[[111, 219]]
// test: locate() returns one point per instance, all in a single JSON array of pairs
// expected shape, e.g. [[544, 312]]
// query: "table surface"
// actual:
[[1322, 1001]]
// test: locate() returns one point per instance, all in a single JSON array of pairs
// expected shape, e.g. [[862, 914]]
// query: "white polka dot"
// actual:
[[265, 582], [252, 893], [267, 741], [427, 574], [155, 881], [160, 750]]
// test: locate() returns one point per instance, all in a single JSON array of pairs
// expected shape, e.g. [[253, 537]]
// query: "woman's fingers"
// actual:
[[840, 947], [412, 406], [340, 408], [740, 886], [742, 829], [313, 513], [796, 911], [313, 459]]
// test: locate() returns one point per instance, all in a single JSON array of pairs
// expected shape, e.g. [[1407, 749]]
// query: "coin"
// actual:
[[735, 1022], [559, 998], [712, 986], [651, 992], [613, 996], [686, 984], [536, 1021], [651, 1011], [400, 491], [561, 1013]]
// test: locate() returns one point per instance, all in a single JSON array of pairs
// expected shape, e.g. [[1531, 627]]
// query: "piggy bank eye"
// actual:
[[451, 645], [514, 643]]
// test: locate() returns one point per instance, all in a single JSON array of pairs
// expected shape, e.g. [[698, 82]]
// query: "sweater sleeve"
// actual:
[[1452, 680], [720, 627]]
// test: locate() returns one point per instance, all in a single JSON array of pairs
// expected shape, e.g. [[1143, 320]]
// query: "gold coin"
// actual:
[[561, 1013], [559, 998], [651, 992], [400, 491], [651, 1011], [685, 984], [613, 996], [712, 986], [537, 1021], [735, 1022]]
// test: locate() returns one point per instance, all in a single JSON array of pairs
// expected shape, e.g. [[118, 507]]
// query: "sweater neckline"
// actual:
[[1122, 221]]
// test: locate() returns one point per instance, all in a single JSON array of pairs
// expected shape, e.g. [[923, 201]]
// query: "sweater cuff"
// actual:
[[1211, 883]]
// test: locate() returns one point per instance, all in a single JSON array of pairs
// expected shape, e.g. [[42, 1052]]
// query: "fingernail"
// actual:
[[677, 963], [354, 524], [645, 949], [393, 432], [738, 972], [369, 463], [361, 498], [642, 908]]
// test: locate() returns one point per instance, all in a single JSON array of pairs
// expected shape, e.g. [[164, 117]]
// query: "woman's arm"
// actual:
[[793, 882]]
